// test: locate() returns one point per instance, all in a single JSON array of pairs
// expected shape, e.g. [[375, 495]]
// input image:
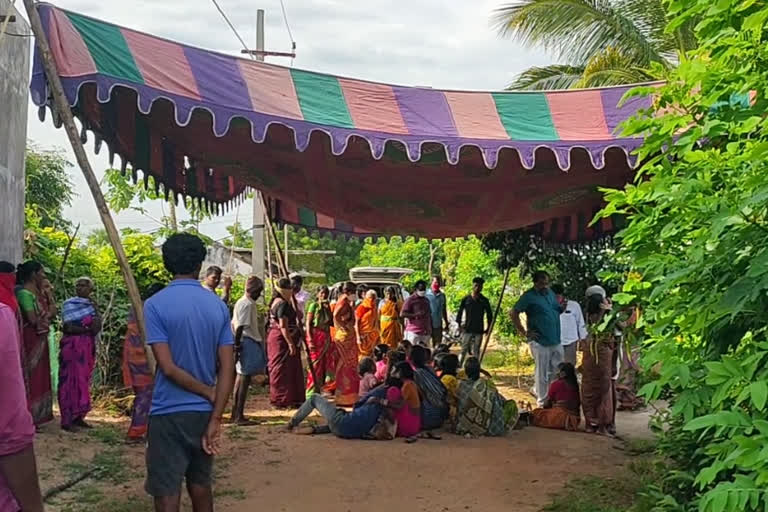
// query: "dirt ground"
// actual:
[[263, 469]]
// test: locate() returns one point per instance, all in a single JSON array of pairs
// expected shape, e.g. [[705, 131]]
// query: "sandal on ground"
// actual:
[[428, 434], [411, 440]]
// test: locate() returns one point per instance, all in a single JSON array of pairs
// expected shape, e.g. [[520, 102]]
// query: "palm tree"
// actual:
[[602, 42]]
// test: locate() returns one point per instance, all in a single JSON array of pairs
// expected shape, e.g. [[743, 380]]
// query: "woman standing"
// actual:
[[319, 322], [598, 393], [391, 328], [137, 374], [367, 324], [347, 378], [286, 375], [81, 324], [36, 359]]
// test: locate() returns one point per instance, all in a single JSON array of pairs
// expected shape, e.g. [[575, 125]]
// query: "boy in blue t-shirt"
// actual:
[[189, 330]]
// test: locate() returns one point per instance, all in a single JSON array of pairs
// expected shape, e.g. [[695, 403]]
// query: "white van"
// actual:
[[376, 278]]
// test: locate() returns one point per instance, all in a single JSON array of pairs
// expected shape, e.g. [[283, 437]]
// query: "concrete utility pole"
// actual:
[[257, 254]]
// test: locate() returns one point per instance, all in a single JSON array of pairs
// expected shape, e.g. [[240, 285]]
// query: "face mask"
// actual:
[[435, 287], [421, 293]]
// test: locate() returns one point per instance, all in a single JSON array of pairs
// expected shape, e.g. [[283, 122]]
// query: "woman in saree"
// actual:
[[367, 324], [286, 375], [347, 378], [598, 393], [391, 328], [480, 409], [77, 355], [562, 408], [36, 358], [319, 319], [434, 396], [137, 374]]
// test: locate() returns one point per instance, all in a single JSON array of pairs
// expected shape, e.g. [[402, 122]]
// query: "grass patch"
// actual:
[[621, 493], [107, 434], [227, 492]]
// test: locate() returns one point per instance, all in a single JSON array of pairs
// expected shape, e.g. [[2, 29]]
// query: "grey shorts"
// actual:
[[175, 452]]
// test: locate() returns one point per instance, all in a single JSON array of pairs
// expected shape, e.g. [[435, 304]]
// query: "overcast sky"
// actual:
[[416, 42]]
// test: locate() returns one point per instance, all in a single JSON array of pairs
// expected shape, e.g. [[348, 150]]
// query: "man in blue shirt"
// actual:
[[439, 309], [542, 311], [189, 331]]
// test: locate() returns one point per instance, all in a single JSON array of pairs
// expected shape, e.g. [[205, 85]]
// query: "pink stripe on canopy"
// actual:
[[578, 115], [271, 89], [373, 106], [162, 64], [69, 51], [324, 221], [475, 115]]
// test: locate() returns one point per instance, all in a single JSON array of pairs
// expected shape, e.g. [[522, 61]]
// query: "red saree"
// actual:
[[286, 375], [36, 360]]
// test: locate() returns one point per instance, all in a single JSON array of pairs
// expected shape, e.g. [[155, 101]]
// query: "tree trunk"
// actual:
[[172, 216]]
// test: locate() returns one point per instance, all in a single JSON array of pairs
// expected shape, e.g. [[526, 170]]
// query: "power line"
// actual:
[[231, 26], [288, 28]]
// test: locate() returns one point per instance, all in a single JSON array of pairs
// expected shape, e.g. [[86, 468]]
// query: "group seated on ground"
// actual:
[[408, 393]]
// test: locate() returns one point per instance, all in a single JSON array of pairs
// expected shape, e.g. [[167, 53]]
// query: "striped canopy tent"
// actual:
[[341, 154]]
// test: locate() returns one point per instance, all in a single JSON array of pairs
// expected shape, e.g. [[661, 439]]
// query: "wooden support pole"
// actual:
[[496, 313], [61, 104]]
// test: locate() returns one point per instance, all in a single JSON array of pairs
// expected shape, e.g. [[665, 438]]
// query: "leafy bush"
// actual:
[[698, 239]]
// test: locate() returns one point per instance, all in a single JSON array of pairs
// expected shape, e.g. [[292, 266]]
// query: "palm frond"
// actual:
[[577, 29], [611, 67], [556, 76]]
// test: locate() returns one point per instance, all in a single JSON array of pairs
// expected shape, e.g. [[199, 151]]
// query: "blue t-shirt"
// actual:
[[194, 323], [543, 313], [436, 305]]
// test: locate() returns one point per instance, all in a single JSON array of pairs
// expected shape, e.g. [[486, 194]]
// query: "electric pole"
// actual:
[[257, 254]]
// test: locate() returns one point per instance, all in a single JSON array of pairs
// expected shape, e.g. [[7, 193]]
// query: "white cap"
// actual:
[[596, 290]]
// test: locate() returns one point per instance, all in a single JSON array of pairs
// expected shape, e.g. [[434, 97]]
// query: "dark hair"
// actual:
[[284, 282], [366, 365], [558, 289], [183, 254], [405, 345], [404, 369], [420, 284], [26, 270], [322, 289], [297, 280], [419, 356], [594, 302], [478, 280], [539, 275], [213, 270], [153, 289], [7, 268], [449, 364], [570, 375], [349, 287], [472, 368], [379, 351], [361, 289], [390, 289]]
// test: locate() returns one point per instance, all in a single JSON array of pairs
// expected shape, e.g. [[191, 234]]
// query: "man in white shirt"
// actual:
[[572, 326], [249, 329]]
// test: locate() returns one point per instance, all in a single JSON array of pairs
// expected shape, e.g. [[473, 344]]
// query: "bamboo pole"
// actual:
[[61, 104], [496, 314]]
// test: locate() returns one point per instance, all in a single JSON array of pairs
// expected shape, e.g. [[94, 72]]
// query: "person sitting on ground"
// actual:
[[562, 407], [403, 398], [481, 410], [367, 370], [356, 424], [248, 324], [398, 356], [213, 279], [434, 404], [449, 367], [381, 356]]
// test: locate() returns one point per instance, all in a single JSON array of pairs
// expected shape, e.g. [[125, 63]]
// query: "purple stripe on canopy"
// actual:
[[219, 82], [615, 114], [425, 112]]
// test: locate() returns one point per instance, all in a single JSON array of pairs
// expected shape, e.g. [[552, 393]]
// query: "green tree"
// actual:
[[48, 187], [598, 42], [698, 242], [406, 253]]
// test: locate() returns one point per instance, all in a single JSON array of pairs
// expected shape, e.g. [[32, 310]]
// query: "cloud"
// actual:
[[416, 42]]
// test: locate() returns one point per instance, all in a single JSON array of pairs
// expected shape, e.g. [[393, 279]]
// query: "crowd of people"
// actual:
[[376, 368]]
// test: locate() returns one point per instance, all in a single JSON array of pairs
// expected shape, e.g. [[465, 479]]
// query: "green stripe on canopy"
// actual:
[[108, 48], [525, 116], [321, 99]]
